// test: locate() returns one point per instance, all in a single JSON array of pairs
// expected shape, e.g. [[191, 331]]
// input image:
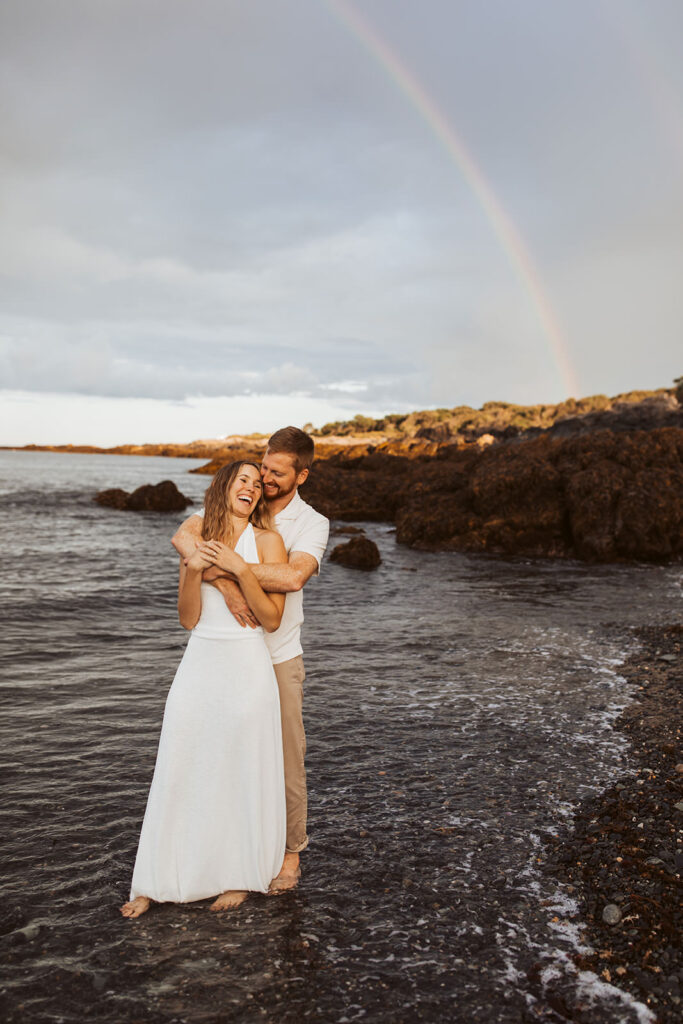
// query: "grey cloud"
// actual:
[[217, 197]]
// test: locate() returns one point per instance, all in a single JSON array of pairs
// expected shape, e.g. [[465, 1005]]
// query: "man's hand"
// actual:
[[234, 598]]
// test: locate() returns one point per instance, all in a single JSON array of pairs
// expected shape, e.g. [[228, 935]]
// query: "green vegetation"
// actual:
[[495, 416]]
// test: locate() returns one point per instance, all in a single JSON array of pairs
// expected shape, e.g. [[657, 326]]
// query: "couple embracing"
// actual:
[[226, 813]]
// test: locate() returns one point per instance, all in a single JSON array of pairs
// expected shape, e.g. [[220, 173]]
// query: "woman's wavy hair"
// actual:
[[217, 521]]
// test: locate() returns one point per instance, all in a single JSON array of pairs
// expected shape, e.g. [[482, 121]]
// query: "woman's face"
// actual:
[[245, 491]]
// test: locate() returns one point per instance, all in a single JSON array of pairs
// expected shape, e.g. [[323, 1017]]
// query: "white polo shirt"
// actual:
[[302, 529]]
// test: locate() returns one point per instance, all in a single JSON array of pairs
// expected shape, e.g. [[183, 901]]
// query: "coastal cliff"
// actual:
[[600, 497]]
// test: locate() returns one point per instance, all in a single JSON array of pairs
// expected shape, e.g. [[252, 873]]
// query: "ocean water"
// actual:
[[458, 708]]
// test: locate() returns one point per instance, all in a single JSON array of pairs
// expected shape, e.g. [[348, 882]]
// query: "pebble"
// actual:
[[667, 657], [611, 914], [31, 931], [679, 807]]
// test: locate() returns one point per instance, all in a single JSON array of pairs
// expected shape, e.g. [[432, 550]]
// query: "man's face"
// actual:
[[279, 475]]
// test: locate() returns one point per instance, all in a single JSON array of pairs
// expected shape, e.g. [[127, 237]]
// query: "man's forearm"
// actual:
[[278, 579], [187, 537]]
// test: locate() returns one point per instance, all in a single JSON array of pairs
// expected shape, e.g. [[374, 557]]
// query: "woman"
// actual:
[[215, 818]]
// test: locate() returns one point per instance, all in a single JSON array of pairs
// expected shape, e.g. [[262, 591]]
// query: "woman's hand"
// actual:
[[222, 556]]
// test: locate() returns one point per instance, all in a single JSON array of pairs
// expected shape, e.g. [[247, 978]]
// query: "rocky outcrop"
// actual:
[[163, 497], [653, 412], [114, 497], [601, 497], [430, 431], [358, 553]]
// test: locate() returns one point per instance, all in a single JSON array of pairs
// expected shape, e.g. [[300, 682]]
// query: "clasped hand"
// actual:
[[223, 557]]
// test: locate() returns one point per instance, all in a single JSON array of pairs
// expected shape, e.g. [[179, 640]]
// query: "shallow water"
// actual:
[[457, 709]]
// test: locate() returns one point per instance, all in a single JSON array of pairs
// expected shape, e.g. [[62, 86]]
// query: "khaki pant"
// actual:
[[290, 680]]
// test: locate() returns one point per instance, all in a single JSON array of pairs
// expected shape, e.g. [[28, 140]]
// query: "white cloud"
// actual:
[[59, 418]]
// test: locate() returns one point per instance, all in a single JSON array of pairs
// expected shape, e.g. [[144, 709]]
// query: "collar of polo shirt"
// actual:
[[291, 510]]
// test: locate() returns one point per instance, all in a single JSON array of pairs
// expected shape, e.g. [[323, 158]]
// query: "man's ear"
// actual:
[[302, 477]]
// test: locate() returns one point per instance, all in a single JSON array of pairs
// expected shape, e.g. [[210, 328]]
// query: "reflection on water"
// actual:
[[457, 709]]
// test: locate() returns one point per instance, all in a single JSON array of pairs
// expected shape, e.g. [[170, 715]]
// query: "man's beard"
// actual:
[[269, 494]]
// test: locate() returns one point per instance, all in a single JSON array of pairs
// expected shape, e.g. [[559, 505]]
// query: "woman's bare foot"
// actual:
[[136, 907], [229, 900], [289, 876]]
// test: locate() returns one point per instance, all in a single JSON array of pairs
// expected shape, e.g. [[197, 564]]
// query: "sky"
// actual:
[[222, 217]]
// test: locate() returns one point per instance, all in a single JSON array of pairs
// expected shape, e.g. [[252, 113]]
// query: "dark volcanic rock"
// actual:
[[112, 498], [358, 553], [163, 497], [601, 497], [651, 413]]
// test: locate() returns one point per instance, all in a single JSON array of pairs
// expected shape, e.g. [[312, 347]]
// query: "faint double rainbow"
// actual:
[[501, 224]]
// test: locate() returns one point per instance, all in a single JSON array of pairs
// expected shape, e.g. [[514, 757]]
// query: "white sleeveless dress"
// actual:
[[215, 817]]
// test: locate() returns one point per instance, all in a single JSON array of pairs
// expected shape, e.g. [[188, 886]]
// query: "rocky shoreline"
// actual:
[[427, 431], [623, 860], [601, 497], [600, 480]]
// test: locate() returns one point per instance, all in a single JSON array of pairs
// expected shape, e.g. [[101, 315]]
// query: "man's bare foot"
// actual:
[[229, 900], [140, 905], [289, 876]]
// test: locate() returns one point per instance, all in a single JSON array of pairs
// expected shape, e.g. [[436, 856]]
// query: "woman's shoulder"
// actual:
[[268, 541], [260, 532], [267, 537]]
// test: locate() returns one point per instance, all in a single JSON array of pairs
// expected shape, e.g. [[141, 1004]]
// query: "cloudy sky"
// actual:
[[222, 216]]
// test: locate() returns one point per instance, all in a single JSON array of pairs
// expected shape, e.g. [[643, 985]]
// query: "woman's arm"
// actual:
[[189, 594], [267, 608]]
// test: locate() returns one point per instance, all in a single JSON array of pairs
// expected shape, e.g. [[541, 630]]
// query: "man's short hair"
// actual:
[[294, 442]]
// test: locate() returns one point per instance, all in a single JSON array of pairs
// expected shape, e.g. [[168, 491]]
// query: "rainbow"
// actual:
[[502, 225]]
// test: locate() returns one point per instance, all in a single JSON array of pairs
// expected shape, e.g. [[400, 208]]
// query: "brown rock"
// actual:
[[162, 497], [112, 498], [358, 553], [601, 497], [484, 440]]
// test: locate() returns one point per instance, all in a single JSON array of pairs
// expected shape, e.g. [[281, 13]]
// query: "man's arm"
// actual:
[[188, 536], [286, 579]]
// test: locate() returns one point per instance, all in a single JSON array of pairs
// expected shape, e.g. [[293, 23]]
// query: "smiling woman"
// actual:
[[221, 740], [222, 498]]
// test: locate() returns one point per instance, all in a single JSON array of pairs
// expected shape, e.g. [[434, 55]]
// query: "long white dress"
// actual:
[[215, 817]]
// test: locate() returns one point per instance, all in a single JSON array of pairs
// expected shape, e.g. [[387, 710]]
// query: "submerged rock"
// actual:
[[358, 553], [162, 497]]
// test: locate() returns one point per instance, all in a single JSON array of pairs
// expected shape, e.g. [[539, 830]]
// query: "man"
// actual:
[[284, 468]]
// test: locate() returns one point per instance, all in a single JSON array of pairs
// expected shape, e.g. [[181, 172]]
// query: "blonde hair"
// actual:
[[217, 521]]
